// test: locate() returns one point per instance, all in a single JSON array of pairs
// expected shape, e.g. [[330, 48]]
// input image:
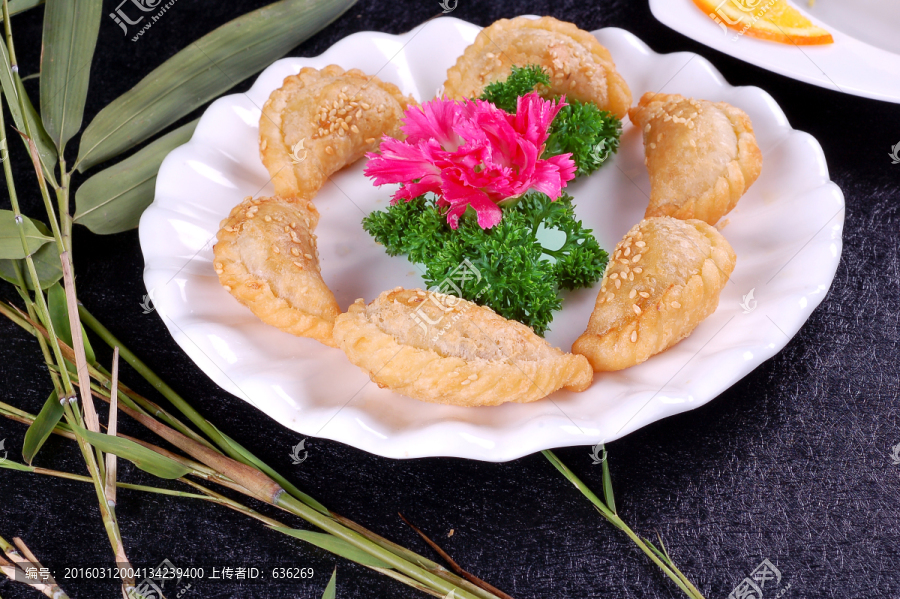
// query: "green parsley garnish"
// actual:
[[522, 80], [591, 135], [505, 267]]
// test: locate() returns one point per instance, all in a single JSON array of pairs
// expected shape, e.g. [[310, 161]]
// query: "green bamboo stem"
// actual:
[[16, 317], [217, 498], [97, 372], [287, 501], [95, 470], [32, 271], [24, 417], [616, 521], [302, 509], [415, 558], [20, 91], [87, 479], [364, 539], [107, 512], [138, 402], [42, 342], [664, 555], [64, 430], [62, 198], [142, 405], [228, 446], [409, 570], [398, 563], [17, 560]]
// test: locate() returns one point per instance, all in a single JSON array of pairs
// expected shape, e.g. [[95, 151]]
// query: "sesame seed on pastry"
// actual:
[[578, 65], [443, 349], [664, 278], [319, 121], [702, 156], [266, 257]]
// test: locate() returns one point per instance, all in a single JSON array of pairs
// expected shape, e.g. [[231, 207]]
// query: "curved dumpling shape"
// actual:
[[664, 278], [319, 121], [266, 257], [702, 156], [578, 65], [443, 349]]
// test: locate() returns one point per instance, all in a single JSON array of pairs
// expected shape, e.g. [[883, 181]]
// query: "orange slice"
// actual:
[[773, 20]]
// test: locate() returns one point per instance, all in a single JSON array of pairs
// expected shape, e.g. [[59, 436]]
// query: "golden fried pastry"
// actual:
[[318, 122], [444, 349], [266, 257], [663, 280], [578, 65], [702, 156]]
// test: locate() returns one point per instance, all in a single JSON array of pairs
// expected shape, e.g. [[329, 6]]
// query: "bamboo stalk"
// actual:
[[454, 566], [20, 89], [43, 311], [294, 502], [258, 485], [616, 521], [111, 428], [90, 412], [42, 341], [16, 570], [217, 498], [413, 557], [267, 490], [226, 445], [152, 409]]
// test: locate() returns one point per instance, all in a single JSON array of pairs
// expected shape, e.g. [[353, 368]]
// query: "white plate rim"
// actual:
[[550, 432]]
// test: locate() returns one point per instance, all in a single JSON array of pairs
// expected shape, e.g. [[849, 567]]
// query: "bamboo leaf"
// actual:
[[113, 200], [59, 315], [658, 553], [10, 242], [334, 545], [42, 427], [207, 68], [12, 89], [17, 6], [69, 39], [330, 590], [607, 484], [10, 465], [46, 263], [145, 459]]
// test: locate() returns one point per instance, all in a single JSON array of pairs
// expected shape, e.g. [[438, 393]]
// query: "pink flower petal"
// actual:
[[433, 120], [400, 162], [410, 191], [552, 175], [461, 196], [534, 115], [471, 153]]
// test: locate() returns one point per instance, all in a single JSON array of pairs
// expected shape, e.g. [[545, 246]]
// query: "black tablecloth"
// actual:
[[792, 464]]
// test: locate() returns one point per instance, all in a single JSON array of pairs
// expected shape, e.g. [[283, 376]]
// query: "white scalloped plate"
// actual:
[[786, 232], [867, 65]]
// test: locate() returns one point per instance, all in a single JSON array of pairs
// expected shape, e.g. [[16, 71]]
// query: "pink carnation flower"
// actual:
[[471, 153]]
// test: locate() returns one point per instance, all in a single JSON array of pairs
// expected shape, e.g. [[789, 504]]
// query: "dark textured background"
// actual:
[[791, 464]]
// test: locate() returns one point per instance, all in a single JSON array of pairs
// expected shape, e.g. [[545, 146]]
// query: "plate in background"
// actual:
[[870, 68]]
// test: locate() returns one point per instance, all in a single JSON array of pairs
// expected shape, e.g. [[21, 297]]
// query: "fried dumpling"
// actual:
[[578, 65], [319, 121], [266, 257], [443, 349], [663, 280], [702, 156]]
